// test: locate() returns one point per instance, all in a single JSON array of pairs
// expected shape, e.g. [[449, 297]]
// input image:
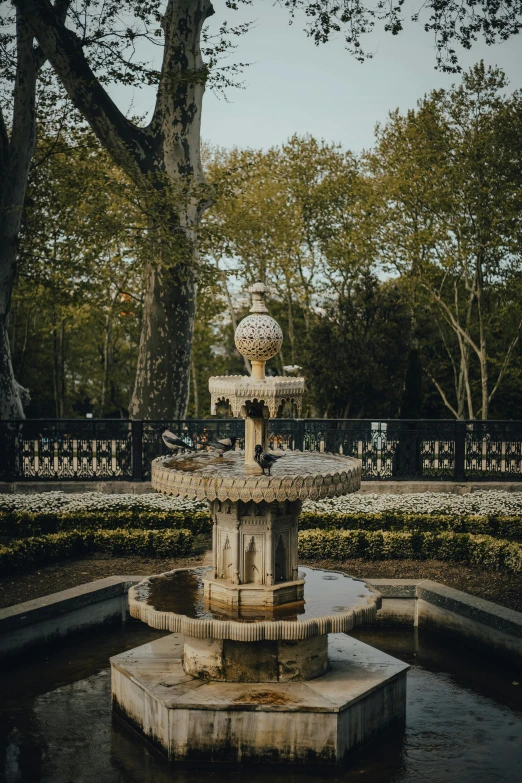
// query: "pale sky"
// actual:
[[294, 86]]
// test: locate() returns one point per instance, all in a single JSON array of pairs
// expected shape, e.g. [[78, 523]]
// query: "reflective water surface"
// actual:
[[464, 720], [232, 465], [326, 592]]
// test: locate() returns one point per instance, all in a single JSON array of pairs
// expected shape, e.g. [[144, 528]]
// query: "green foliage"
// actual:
[[20, 524], [448, 190], [76, 308], [368, 330], [27, 554], [437, 205], [478, 550], [498, 526]]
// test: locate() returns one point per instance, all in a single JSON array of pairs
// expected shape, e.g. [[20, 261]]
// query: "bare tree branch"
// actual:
[[130, 146], [444, 398]]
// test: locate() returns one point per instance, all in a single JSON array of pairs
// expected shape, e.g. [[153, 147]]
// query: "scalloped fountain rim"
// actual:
[[312, 476], [206, 628]]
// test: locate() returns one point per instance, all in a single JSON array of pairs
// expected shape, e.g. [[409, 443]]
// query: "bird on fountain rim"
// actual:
[[173, 442], [266, 459], [222, 446]]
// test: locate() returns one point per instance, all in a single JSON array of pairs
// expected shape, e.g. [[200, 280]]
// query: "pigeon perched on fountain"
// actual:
[[266, 459], [173, 442], [222, 446]]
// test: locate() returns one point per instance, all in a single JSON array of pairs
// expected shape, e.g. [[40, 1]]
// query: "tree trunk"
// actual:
[[11, 406], [16, 153], [163, 373], [163, 160], [195, 387]]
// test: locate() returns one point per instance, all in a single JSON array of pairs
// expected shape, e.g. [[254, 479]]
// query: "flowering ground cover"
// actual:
[[52, 502], [485, 502]]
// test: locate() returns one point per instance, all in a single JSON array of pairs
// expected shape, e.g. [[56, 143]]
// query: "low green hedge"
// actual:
[[505, 527], [28, 553], [485, 551], [19, 524], [480, 550]]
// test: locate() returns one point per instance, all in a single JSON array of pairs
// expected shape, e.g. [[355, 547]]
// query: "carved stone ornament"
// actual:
[[362, 612], [258, 337], [298, 476], [238, 390]]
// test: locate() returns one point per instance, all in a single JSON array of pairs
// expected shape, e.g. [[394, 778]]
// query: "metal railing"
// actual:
[[121, 450]]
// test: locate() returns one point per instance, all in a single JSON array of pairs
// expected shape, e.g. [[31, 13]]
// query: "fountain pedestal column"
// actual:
[[255, 555]]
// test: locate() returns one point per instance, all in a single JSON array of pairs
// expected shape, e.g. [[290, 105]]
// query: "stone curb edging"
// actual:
[[18, 616], [477, 613], [495, 616]]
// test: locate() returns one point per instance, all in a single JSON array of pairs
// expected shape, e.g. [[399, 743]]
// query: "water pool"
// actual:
[[463, 724]]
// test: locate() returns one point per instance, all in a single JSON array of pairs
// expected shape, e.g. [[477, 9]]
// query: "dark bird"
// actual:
[[265, 459], [174, 443], [227, 444]]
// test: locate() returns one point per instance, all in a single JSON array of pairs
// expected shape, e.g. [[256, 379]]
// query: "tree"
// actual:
[[20, 65], [293, 216], [355, 358], [77, 301], [163, 158], [450, 175]]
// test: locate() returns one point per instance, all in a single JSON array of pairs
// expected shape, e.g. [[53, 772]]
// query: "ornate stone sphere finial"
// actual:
[[258, 337]]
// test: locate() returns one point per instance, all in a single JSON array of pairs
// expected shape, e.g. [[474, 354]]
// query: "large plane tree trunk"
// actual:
[[16, 152], [164, 358], [163, 160]]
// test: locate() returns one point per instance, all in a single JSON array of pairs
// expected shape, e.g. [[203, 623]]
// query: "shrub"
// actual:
[[496, 526], [19, 524], [481, 550], [28, 553]]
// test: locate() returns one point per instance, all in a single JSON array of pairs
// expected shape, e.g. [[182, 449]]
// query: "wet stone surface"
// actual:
[[232, 465], [296, 476], [326, 593]]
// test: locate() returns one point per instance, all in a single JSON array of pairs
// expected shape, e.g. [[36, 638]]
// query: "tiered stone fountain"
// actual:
[[257, 666]]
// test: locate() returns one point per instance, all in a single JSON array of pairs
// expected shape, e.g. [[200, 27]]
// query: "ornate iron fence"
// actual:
[[120, 450]]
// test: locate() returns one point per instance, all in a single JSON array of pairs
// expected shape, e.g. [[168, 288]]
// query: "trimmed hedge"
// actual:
[[480, 550], [504, 527], [485, 551], [28, 553], [19, 524]]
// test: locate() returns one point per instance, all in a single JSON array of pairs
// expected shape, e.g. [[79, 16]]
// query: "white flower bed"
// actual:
[[484, 502], [48, 502]]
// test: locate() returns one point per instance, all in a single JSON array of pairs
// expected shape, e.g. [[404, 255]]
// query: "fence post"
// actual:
[[137, 450], [299, 433], [460, 451], [9, 453]]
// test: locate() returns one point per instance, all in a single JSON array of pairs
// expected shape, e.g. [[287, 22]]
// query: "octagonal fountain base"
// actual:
[[318, 720]]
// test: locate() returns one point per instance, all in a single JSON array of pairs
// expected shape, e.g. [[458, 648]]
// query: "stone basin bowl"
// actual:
[[334, 603], [299, 475]]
